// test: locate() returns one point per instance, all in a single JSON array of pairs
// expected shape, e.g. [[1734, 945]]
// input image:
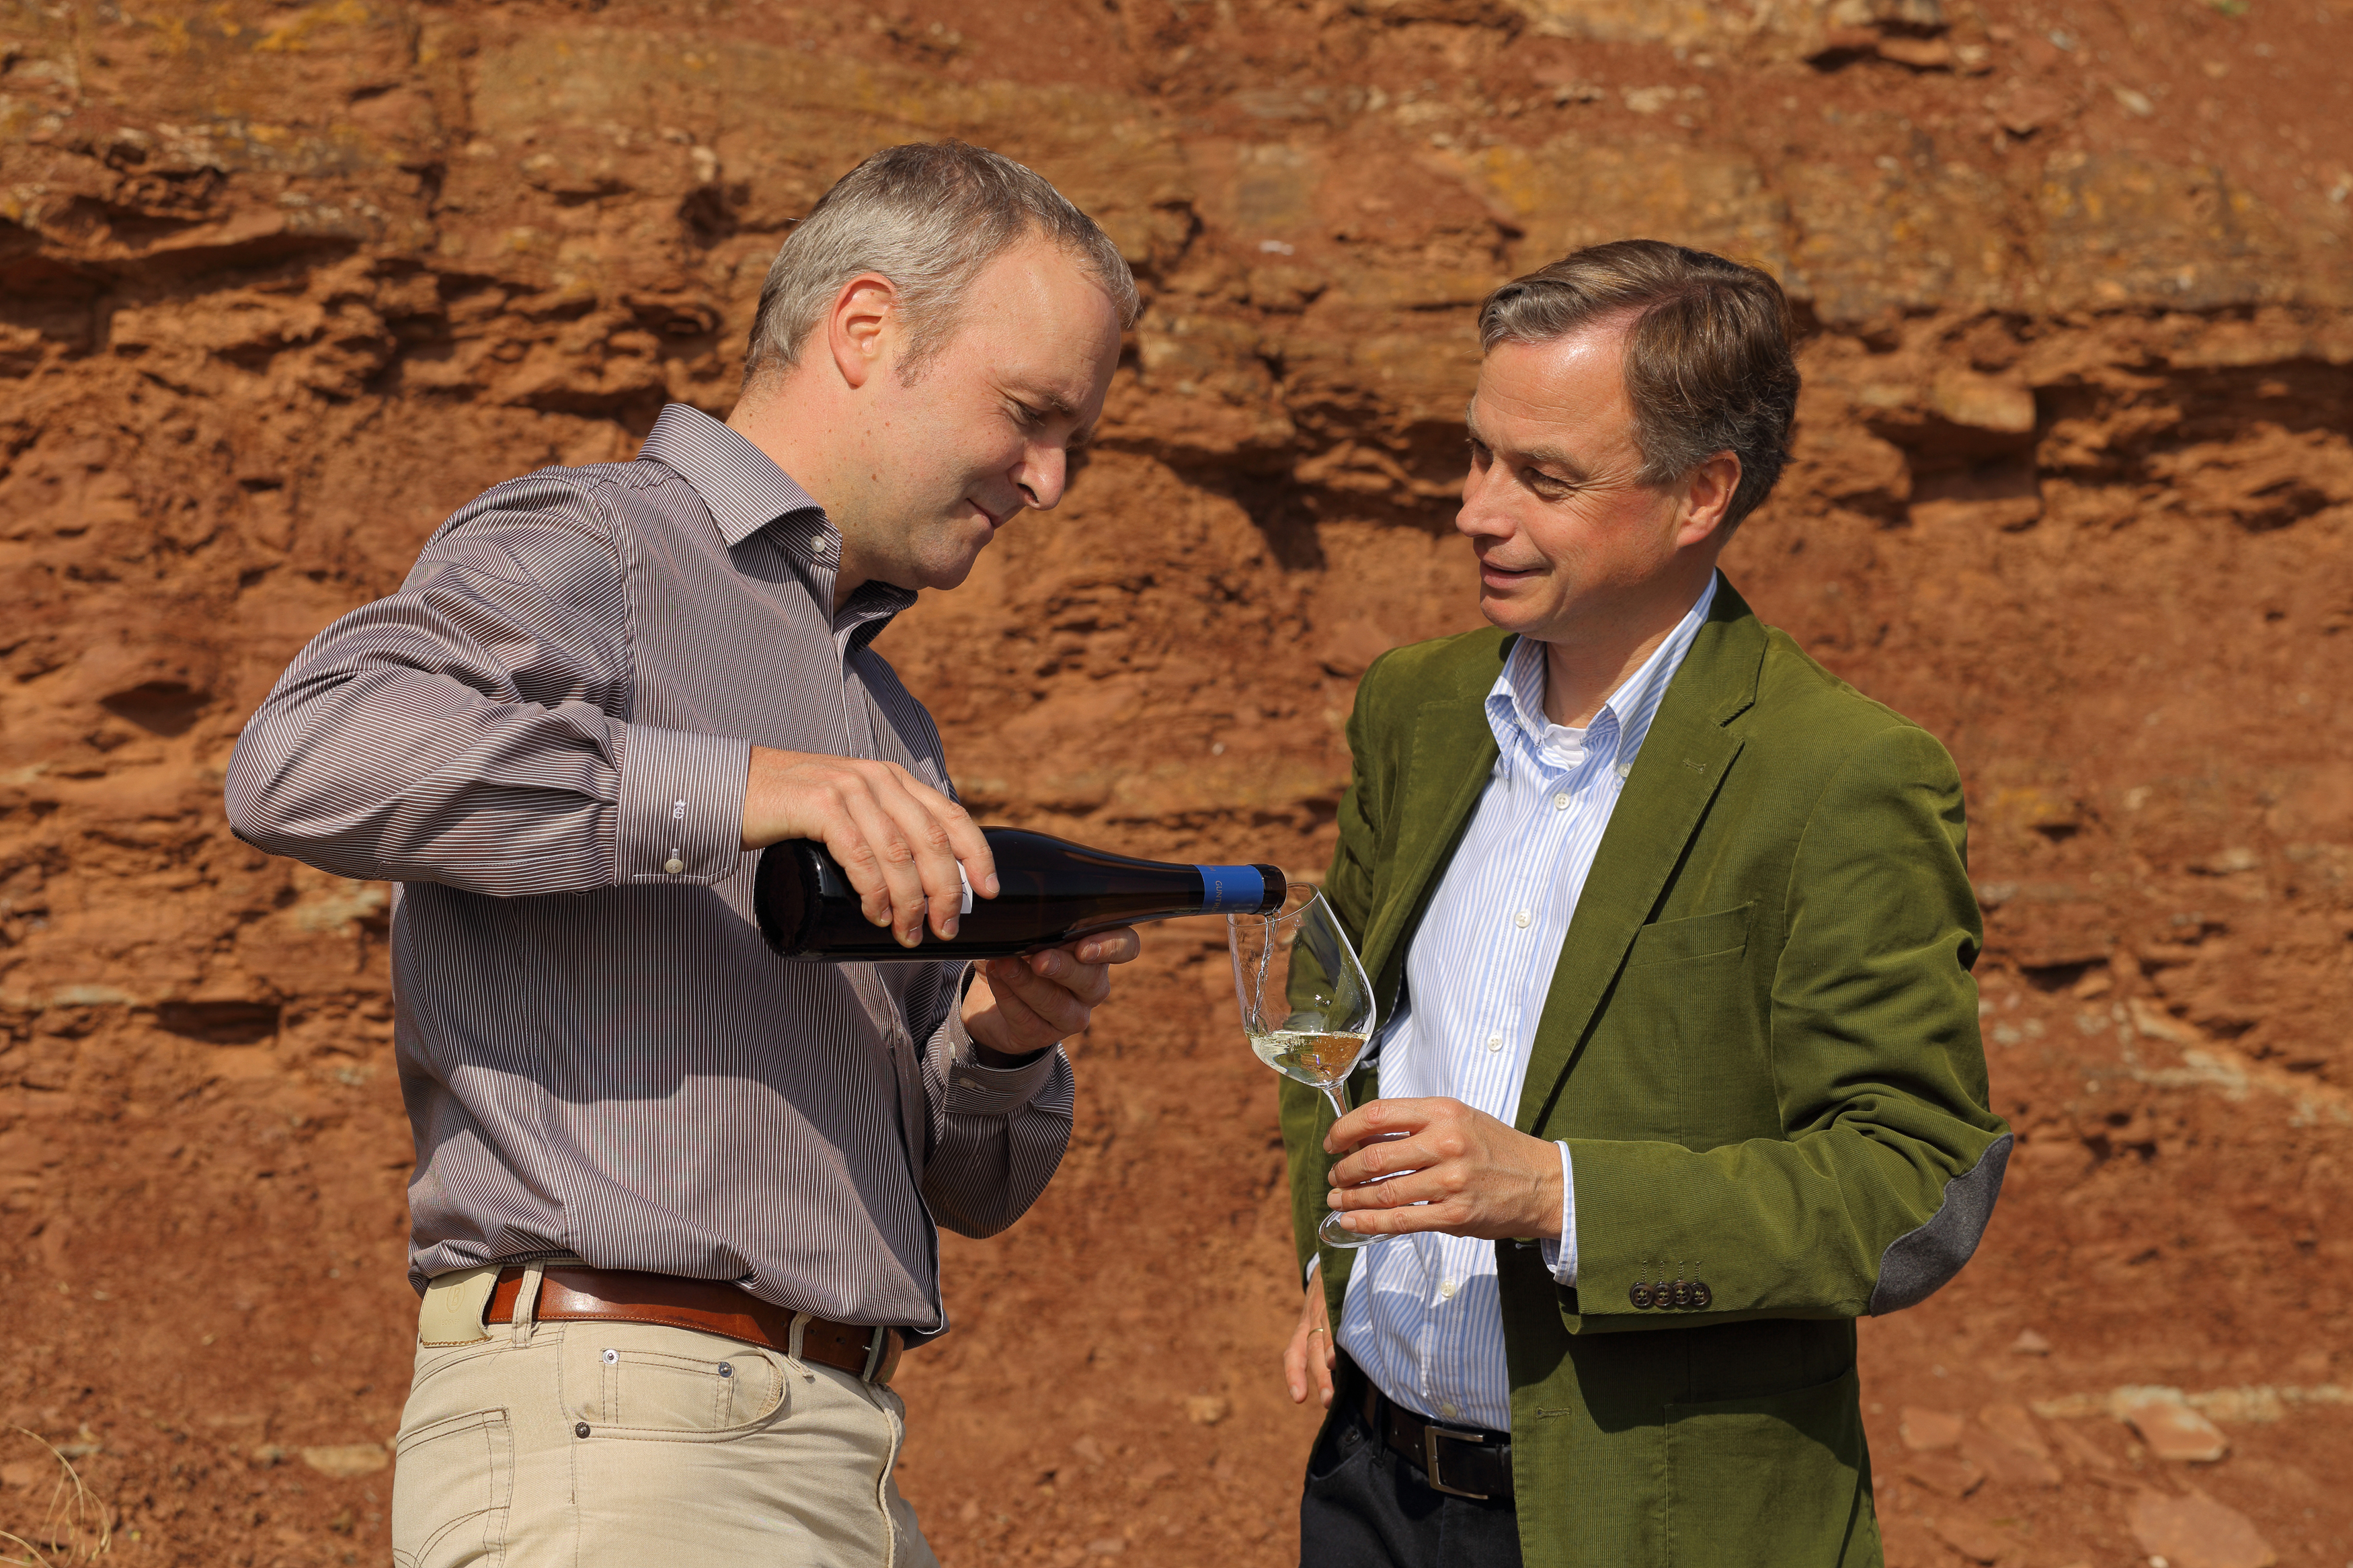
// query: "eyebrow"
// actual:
[[1552, 457], [1053, 403]]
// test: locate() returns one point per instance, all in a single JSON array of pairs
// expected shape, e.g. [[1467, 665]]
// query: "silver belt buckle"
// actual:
[[1429, 1437], [877, 1345]]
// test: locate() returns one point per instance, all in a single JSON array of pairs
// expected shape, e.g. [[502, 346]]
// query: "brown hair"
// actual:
[[1708, 364]]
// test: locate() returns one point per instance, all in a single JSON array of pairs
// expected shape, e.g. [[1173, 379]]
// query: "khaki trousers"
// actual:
[[599, 1445]]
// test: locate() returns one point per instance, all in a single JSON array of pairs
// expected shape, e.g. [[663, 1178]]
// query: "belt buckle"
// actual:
[[1431, 1433], [878, 1346]]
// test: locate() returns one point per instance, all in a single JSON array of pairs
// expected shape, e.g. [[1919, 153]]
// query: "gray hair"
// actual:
[[1708, 362], [928, 215]]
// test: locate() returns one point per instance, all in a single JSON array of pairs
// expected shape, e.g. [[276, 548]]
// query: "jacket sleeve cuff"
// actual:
[[680, 816], [1560, 1254]]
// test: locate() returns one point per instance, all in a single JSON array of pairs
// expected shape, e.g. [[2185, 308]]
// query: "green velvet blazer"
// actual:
[[1760, 1044]]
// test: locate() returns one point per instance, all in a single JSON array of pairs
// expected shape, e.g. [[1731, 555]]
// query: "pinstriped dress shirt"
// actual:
[[1422, 1315], [544, 739]]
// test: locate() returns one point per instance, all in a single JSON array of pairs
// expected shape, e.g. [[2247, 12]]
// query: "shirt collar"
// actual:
[[747, 492], [740, 483], [1515, 702]]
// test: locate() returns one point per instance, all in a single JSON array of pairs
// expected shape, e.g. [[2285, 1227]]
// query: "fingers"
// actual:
[[1309, 1358], [881, 864], [1385, 1154], [964, 839], [1294, 1363], [1008, 1009], [1440, 1185], [1307, 1362], [921, 854], [1323, 1364], [1465, 1172], [899, 840], [1124, 945], [1051, 1001], [1382, 1116]]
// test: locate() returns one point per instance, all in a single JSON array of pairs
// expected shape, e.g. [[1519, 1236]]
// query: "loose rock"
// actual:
[[343, 1460], [2195, 1532], [1928, 1429], [2170, 1428], [1946, 1474]]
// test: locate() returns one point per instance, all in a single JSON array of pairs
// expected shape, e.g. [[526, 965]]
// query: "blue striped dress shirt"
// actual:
[[1422, 1316]]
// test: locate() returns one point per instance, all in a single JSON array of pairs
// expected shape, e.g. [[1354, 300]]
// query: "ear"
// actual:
[[862, 328], [1707, 498]]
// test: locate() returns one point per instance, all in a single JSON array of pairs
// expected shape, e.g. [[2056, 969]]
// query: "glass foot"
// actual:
[[1331, 1234]]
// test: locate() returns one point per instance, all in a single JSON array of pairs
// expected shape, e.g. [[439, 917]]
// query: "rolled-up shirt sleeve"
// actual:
[[997, 1134], [469, 730]]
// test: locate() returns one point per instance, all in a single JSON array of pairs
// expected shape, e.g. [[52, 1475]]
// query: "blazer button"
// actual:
[[1680, 1294], [1701, 1296], [1640, 1295]]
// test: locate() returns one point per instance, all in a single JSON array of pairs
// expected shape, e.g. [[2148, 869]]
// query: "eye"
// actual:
[[1029, 418], [1545, 484]]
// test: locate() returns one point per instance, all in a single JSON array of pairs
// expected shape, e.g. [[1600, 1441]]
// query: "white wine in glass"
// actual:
[[1306, 1005]]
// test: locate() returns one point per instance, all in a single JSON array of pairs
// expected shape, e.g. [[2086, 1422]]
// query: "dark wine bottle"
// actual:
[[1049, 891]]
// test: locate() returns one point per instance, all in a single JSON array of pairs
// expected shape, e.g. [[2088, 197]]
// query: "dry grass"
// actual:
[[74, 1526]]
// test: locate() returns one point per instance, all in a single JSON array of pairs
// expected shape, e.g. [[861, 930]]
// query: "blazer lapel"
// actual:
[[1453, 753], [1683, 761]]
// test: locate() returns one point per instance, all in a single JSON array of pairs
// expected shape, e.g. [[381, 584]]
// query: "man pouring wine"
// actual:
[[1670, 933], [674, 1199]]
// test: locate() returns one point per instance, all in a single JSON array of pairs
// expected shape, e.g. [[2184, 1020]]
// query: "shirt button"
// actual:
[[1560, 801], [1623, 769], [1450, 1411], [673, 864], [1521, 919], [1446, 1288], [1494, 1042]]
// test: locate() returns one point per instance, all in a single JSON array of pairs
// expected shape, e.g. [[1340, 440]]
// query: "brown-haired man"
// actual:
[[1671, 933], [674, 1202]]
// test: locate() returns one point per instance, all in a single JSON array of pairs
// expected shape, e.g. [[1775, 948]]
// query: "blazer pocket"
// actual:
[[1693, 936], [1680, 1054], [1765, 1482]]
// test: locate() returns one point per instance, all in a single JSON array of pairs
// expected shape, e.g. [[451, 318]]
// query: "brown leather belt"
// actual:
[[1461, 1461], [571, 1293]]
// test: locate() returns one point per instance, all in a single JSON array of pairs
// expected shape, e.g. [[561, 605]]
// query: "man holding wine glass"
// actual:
[[1669, 934], [673, 1216]]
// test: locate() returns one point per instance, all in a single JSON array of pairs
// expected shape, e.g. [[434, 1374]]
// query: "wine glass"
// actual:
[[1306, 1005]]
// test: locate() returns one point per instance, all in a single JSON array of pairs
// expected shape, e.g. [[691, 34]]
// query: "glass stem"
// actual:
[[1339, 1102]]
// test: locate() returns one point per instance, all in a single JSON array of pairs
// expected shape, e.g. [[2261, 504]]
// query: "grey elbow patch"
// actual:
[[1917, 1263]]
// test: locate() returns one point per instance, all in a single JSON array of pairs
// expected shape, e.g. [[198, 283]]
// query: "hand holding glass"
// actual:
[[1306, 1005]]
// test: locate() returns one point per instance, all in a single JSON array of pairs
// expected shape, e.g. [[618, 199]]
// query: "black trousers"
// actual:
[[1364, 1506]]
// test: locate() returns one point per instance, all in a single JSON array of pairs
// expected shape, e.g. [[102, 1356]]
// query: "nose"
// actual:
[[1483, 515], [1043, 474]]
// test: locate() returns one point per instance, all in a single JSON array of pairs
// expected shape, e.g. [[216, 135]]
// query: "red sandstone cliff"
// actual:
[[281, 285]]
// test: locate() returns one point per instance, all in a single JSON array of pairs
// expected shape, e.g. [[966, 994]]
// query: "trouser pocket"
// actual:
[[638, 1379], [451, 1486]]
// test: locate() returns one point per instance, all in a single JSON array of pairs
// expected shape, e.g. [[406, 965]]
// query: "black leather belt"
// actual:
[[1461, 1461]]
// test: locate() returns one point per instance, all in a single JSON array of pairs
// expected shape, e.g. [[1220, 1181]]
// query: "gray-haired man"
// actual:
[[674, 1202]]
